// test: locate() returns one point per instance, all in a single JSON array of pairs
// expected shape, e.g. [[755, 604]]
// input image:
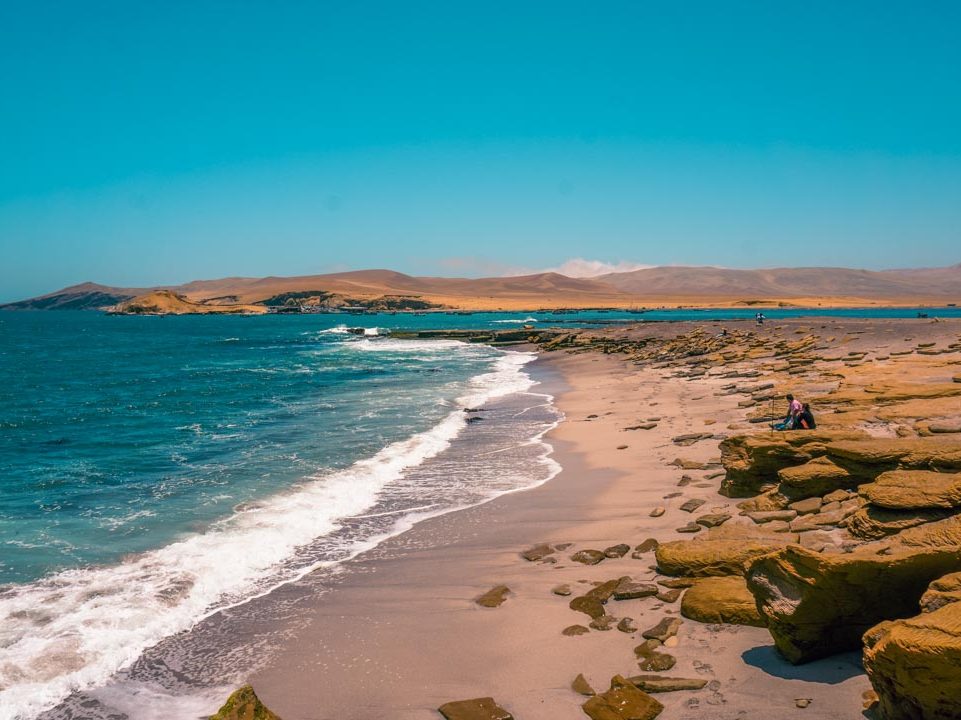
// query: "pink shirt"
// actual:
[[795, 408]]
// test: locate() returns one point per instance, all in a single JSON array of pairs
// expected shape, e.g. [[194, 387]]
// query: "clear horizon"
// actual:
[[151, 146]]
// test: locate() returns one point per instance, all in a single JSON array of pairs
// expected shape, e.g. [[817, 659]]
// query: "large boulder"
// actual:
[[721, 600], [914, 489], [814, 479], [704, 558], [752, 461], [243, 704], [817, 605], [914, 665], [624, 701]]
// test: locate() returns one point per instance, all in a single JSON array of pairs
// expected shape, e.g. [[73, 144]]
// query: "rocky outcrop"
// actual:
[[913, 490], [940, 534], [244, 704], [623, 701], [752, 461], [721, 600], [817, 605], [913, 665], [704, 558]]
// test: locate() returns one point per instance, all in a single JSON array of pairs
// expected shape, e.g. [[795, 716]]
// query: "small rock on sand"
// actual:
[[692, 505], [476, 709], [666, 628], [604, 622], [657, 512], [691, 527], [573, 630], [538, 552], [628, 589], [626, 625], [802, 702], [669, 595], [616, 551], [493, 597], [562, 590], [588, 557], [647, 546], [581, 686]]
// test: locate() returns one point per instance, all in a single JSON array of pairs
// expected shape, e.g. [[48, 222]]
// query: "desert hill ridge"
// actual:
[[656, 286]]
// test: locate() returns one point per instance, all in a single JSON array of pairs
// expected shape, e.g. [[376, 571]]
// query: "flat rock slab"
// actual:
[[765, 516], [494, 597], [660, 683], [691, 527], [713, 519], [476, 709], [692, 505], [623, 701], [588, 557], [628, 589]]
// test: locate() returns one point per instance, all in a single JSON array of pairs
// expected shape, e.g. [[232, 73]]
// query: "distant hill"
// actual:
[[86, 296], [658, 286], [167, 302], [708, 283]]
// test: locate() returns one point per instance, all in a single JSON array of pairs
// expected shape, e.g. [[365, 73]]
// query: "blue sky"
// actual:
[[147, 143]]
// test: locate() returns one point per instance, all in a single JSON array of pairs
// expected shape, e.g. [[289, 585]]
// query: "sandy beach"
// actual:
[[401, 634]]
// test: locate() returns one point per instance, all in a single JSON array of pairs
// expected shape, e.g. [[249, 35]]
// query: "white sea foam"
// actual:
[[74, 629], [517, 322]]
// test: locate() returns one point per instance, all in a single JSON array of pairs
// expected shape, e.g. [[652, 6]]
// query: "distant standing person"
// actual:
[[760, 318], [792, 420]]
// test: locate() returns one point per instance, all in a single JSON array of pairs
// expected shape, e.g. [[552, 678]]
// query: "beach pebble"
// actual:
[[691, 527], [657, 512], [626, 625], [692, 505], [561, 590], [622, 447], [573, 630], [802, 702], [627, 589]]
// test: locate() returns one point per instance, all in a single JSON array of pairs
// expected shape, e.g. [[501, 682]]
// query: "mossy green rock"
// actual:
[[244, 704]]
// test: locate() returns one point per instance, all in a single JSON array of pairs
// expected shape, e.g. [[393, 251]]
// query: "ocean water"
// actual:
[[158, 471]]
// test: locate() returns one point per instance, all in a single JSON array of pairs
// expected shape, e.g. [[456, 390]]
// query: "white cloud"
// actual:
[[582, 268]]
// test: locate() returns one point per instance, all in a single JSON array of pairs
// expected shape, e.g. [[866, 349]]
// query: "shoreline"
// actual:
[[401, 634]]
